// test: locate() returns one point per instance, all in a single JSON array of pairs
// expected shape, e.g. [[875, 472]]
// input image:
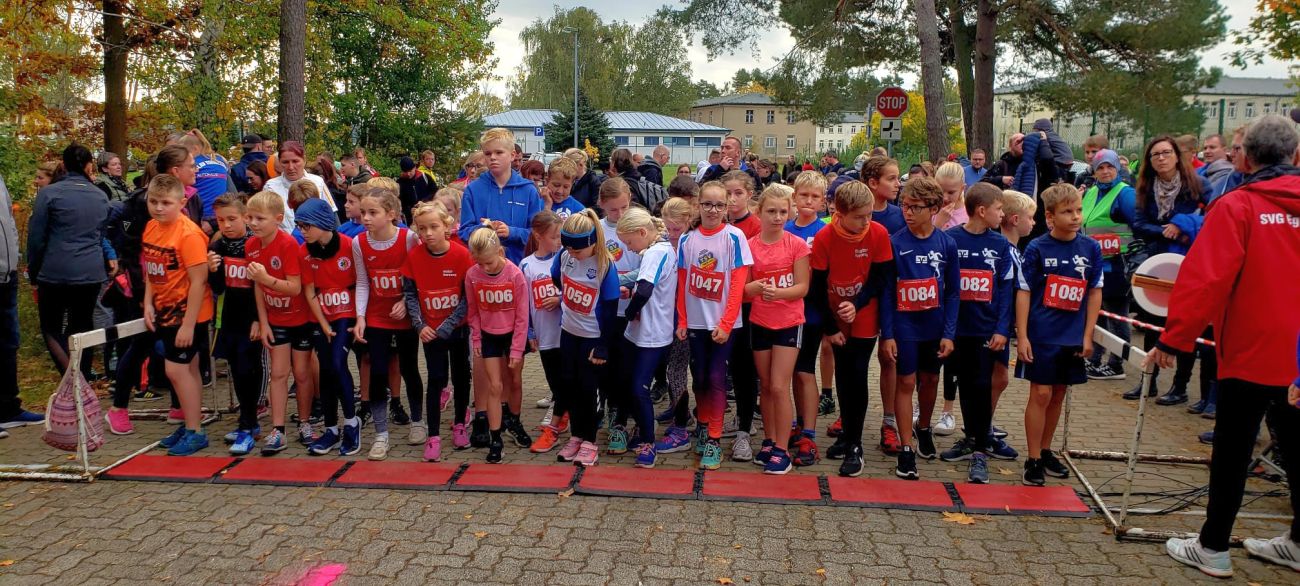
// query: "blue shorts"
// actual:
[[918, 356], [1053, 365]]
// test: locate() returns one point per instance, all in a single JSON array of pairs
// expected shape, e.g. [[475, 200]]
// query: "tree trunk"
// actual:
[[293, 81], [961, 48], [115, 54], [936, 121], [986, 24]]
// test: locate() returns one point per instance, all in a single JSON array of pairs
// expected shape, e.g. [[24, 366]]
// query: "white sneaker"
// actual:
[[3, 434], [417, 434], [379, 449], [545, 403], [740, 449], [1190, 552], [730, 427], [1279, 550], [550, 413], [306, 435], [947, 424]]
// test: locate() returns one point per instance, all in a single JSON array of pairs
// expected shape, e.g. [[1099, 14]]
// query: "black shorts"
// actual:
[[761, 338], [1053, 365], [497, 345], [302, 338], [808, 348], [199, 344], [918, 356]]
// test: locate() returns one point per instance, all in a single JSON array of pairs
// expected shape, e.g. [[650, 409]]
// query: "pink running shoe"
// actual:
[[459, 436], [446, 398], [433, 449], [587, 455], [570, 450], [119, 422], [175, 416]]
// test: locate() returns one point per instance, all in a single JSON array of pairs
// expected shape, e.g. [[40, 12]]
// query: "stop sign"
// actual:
[[891, 102]]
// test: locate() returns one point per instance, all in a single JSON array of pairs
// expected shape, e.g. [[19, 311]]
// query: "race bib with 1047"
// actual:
[[704, 284]]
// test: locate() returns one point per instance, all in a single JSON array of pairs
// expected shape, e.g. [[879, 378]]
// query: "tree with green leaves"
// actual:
[[1274, 31], [592, 126]]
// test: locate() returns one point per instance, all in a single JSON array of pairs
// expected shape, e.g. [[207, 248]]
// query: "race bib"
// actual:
[[577, 296], [386, 283], [977, 285], [496, 297], [780, 278], [438, 304], [1065, 293], [236, 272], [335, 303], [918, 294], [276, 300], [543, 289], [845, 290], [1110, 243], [704, 284], [155, 268]]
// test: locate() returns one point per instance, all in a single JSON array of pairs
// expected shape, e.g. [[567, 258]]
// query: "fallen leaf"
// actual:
[[468, 517], [747, 578], [821, 571], [8, 505], [566, 494], [1252, 584], [1006, 472], [480, 534], [5, 563], [452, 501], [71, 457], [725, 581], [1006, 508], [736, 546], [959, 518]]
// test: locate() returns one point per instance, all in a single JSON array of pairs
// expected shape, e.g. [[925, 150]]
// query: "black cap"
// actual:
[[406, 164], [251, 139]]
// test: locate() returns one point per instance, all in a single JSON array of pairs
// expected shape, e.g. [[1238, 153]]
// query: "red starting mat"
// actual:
[[282, 471], [1015, 499], [760, 488], [408, 475], [637, 482], [515, 478], [890, 494], [169, 468]]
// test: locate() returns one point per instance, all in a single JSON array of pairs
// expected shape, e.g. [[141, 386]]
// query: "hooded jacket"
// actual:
[[1005, 166], [238, 171], [67, 228], [1216, 171], [651, 170], [515, 204], [586, 189], [1238, 277]]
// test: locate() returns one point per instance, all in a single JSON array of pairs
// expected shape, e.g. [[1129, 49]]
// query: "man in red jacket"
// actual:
[[1240, 277]]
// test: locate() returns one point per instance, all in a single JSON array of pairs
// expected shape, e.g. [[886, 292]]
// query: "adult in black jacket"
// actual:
[[653, 167], [644, 192], [730, 160], [586, 187], [1003, 172], [252, 145]]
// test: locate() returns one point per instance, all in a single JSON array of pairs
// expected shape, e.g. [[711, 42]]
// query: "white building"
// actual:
[[837, 136], [639, 132]]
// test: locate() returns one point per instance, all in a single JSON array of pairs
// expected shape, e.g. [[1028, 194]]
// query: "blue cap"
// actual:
[[315, 212], [1106, 156]]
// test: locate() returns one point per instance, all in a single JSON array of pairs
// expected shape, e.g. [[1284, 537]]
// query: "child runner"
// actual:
[[498, 323], [678, 215], [880, 173], [434, 283], [544, 317], [650, 321], [851, 260], [1018, 212], [588, 284], [396, 414], [329, 279], [352, 209], [744, 378], [449, 197], [378, 254], [951, 214], [983, 323], [778, 283], [918, 315], [1055, 317], [809, 200], [177, 303], [712, 264], [615, 200], [559, 182]]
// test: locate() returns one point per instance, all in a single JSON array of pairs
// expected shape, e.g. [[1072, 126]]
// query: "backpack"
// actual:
[[648, 195], [61, 429]]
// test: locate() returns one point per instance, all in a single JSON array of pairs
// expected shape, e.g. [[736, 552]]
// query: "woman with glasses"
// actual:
[[475, 162]]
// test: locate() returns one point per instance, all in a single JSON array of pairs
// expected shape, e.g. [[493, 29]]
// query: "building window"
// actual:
[[1006, 108], [1212, 109], [769, 142], [749, 141], [749, 116], [789, 117], [1284, 108], [821, 146], [789, 141], [839, 129], [650, 140], [839, 147], [708, 141], [1268, 108], [677, 141], [1250, 109], [853, 130], [621, 140], [1232, 109], [771, 116]]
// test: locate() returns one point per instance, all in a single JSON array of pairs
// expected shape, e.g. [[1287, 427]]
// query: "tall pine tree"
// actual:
[[592, 125]]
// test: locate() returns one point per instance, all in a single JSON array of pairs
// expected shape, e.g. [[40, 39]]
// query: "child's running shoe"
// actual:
[[479, 436], [889, 442], [459, 436], [495, 446], [740, 449], [1279, 550], [925, 443], [778, 462], [351, 442], [1190, 551], [379, 448], [417, 434], [998, 432], [175, 416], [433, 449], [826, 405], [764, 452], [999, 450], [274, 443], [243, 444], [548, 416], [701, 438], [119, 422], [587, 455], [234, 435], [805, 451], [711, 459], [960, 450], [519, 435], [1053, 467], [946, 425], [617, 440], [1033, 475], [852, 464], [570, 450], [561, 423], [906, 468], [192, 442], [324, 444], [676, 439], [978, 471], [837, 449], [396, 413], [445, 398], [546, 403], [646, 456], [730, 427], [546, 441], [305, 434], [836, 428], [172, 439]]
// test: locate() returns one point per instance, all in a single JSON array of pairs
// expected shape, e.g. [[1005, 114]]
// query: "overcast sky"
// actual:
[[517, 14]]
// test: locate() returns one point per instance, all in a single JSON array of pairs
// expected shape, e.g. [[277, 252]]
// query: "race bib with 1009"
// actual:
[[335, 303]]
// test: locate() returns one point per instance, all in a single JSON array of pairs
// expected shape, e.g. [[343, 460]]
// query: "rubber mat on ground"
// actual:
[[637, 482], [169, 468], [390, 474], [760, 488], [282, 471], [1014, 499], [515, 478], [890, 494]]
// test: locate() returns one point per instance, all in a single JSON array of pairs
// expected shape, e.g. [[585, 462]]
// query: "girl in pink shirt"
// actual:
[[497, 298]]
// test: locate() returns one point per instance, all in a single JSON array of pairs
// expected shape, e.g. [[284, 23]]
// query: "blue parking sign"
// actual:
[[539, 131]]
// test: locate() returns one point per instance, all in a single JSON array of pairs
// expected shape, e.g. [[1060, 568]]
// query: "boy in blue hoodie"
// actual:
[[501, 198]]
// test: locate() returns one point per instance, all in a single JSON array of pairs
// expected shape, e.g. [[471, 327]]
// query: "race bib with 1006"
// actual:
[[496, 296]]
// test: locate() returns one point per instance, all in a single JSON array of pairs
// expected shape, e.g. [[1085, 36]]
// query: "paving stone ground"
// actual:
[[134, 532]]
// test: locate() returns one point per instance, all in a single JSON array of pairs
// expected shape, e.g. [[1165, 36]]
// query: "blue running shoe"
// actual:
[[191, 442], [778, 462], [23, 417], [274, 443], [701, 437], [351, 443], [764, 452], [711, 459], [243, 444], [677, 439], [998, 449], [233, 436], [978, 472], [174, 438], [646, 456], [617, 440], [324, 444]]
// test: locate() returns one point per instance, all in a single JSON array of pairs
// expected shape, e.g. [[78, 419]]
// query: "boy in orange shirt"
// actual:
[[177, 303]]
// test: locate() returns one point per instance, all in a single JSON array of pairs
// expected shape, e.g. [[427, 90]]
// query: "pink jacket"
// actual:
[[498, 304]]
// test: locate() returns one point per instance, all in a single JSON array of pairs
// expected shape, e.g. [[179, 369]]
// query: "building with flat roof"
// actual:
[[639, 132], [765, 127], [836, 137]]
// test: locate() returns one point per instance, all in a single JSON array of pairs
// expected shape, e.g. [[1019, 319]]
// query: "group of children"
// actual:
[[723, 280]]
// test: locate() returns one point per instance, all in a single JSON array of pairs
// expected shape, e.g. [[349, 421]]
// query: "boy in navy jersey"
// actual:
[[1055, 317], [983, 323], [918, 315]]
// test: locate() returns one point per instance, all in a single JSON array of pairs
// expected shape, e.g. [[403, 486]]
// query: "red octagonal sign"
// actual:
[[891, 102]]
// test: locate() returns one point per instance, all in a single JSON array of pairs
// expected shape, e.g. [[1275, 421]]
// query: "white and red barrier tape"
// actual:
[[1147, 326]]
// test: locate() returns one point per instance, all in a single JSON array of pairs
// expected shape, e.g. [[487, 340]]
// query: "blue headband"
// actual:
[[578, 241]]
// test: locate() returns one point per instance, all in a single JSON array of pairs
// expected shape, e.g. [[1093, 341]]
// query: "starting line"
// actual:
[[991, 499]]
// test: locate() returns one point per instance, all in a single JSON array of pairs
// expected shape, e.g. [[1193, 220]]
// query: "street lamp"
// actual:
[[575, 83]]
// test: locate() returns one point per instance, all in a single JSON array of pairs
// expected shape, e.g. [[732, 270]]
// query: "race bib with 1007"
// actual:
[[918, 294], [438, 304], [578, 296], [236, 272], [335, 303], [977, 285], [496, 296], [704, 284], [1064, 293], [543, 289]]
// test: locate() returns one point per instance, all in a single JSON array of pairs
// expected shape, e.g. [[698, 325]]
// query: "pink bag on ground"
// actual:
[[61, 415]]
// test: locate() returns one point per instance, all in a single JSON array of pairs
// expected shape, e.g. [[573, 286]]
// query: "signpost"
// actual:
[[891, 102]]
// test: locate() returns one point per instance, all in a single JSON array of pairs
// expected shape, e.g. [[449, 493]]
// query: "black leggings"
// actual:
[[247, 371], [951, 381], [1241, 406], [577, 391], [440, 357], [972, 365], [336, 390], [65, 310], [614, 393], [744, 377], [408, 343], [552, 365], [852, 362]]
